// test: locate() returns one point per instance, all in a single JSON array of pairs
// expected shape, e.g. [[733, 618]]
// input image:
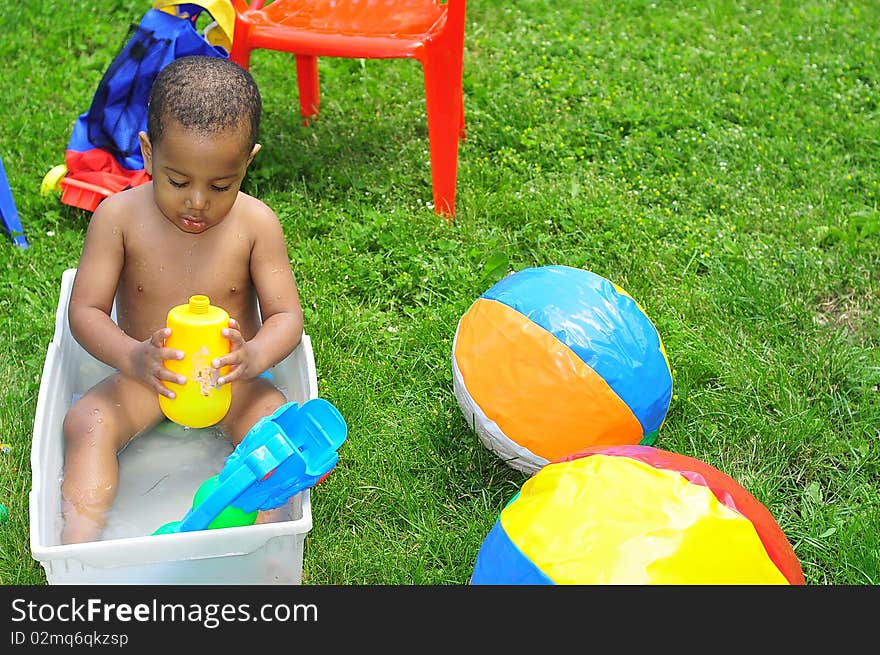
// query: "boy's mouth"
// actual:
[[193, 222]]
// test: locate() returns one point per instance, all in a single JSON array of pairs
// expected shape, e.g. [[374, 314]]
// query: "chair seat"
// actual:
[[397, 28]]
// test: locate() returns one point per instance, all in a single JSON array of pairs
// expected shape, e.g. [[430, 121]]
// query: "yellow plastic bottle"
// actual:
[[195, 329]]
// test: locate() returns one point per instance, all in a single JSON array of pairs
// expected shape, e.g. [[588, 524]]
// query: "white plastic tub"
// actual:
[[160, 472]]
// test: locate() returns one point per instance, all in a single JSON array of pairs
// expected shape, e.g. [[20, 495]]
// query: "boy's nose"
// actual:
[[197, 200]]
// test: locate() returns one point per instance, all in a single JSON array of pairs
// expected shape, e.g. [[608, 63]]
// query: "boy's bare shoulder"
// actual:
[[251, 206], [116, 211], [256, 213]]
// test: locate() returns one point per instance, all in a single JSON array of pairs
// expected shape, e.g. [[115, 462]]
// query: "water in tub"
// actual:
[[159, 473]]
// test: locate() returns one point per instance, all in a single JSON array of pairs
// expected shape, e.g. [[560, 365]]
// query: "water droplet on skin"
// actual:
[[95, 411], [91, 429], [100, 420], [232, 289], [140, 288]]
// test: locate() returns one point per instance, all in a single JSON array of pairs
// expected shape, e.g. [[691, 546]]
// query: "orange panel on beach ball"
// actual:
[[547, 389], [553, 359]]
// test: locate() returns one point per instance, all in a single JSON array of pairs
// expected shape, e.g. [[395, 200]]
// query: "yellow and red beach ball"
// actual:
[[634, 514], [553, 359]]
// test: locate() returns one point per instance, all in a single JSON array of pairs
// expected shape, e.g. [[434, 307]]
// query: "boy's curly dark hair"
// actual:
[[207, 94]]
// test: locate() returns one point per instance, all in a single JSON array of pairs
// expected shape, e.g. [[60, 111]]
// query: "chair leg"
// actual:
[[8, 212], [461, 126], [309, 86], [444, 106], [241, 52]]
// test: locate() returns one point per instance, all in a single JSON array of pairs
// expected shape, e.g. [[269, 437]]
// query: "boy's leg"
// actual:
[[95, 428], [251, 400]]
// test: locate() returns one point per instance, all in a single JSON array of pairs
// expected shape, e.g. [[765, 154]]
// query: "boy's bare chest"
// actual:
[[157, 276]]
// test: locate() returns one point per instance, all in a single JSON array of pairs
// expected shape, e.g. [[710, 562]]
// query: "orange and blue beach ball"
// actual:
[[634, 515], [554, 359]]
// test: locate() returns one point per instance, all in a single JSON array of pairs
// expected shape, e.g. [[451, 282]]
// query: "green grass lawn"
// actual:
[[718, 160]]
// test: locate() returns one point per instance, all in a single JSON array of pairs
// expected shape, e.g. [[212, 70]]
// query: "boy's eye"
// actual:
[[214, 187]]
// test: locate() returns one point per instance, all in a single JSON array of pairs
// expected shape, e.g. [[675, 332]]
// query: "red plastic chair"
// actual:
[[425, 30]]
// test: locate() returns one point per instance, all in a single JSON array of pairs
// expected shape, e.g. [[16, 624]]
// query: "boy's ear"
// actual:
[[147, 152], [253, 154]]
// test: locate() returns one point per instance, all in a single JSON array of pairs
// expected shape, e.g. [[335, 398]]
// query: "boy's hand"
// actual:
[[148, 363], [239, 357]]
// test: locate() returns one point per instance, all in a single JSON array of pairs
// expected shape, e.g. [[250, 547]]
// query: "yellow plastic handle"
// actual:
[[220, 10], [52, 180]]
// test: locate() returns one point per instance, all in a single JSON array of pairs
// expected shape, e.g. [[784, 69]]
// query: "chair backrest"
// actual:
[[455, 8], [241, 6]]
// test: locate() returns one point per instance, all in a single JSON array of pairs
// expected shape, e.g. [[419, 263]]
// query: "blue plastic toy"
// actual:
[[284, 453], [8, 213]]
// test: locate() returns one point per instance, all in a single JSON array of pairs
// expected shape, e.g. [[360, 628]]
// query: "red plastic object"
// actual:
[[425, 30], [93, 175], [77, 193]]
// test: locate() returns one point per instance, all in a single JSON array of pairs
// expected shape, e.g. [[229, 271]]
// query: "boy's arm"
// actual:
[[94, 289], [280, 309], [91, 301]]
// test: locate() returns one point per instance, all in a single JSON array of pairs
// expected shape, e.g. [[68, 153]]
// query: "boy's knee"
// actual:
[[250, 403], [271, 400], [259, 395], [86, 423]]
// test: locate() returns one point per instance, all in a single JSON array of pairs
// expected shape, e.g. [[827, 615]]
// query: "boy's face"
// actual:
[[196, 176]]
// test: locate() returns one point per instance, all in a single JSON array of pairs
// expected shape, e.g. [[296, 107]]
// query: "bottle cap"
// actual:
[[199, 304]]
